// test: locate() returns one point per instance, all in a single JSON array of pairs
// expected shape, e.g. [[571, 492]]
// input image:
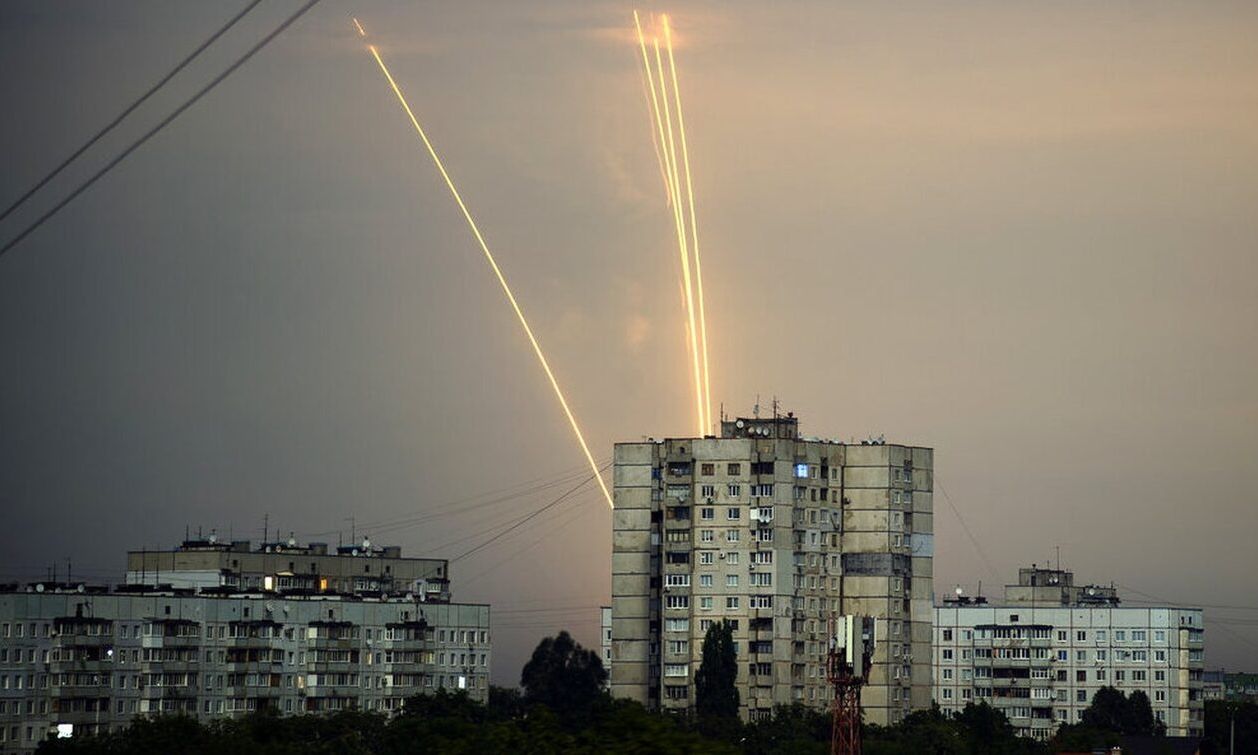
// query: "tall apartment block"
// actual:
[[1044, 651], [777, 534], [81, 659]]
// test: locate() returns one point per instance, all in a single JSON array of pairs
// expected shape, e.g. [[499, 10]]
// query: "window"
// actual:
[[731, 536], [731, 602], [679, 647], [677, 625], [707, 514], [731, 558], [1100, 675], [1139, 635], [947, 635], [1081, 676], [734, 490], [762, 579], [705, 580], [677, 580], [678, 601], [733, 513], [706, 557], [1081, 695], [1100, 635], [734, 469], [947, 654], [1120, 635], [1159, 636], [1061, 635], [1063, 655], [1081, 655], [706, 536], [705, 603], [1102, 655], [1081, 635], [676, 669], [731, 580], [761, 601], [707, 470], [801, 471]]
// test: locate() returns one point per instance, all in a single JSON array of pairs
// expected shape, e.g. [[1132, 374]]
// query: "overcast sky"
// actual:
[[1020, 233]]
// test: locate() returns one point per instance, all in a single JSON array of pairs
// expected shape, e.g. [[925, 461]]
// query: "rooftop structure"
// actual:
[[287, 566]]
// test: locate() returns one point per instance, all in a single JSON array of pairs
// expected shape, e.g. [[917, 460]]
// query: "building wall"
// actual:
[[1056, 658], [800, 531], [97, 660]]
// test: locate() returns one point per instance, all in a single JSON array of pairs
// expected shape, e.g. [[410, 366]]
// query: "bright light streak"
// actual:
[[653, 110], [682, 247], [489, 257], [694, 225]]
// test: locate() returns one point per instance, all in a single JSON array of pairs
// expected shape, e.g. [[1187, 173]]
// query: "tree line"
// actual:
[[562, 706]]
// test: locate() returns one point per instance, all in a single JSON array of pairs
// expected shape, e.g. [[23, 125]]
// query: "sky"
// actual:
[[1020, 233]]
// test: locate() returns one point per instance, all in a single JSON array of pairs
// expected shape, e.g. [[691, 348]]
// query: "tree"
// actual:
[[1108, 710], [564, 677], [1111, 710], [716, 696]]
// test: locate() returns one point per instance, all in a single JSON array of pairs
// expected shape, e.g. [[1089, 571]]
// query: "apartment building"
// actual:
[[1044, 651], [79, 659], [777, 534], [287, 565]]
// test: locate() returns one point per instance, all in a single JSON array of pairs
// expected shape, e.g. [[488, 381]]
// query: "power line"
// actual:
[[130, 108], [1179, 604], [973, 541], [548, 506], [457, 506], [161, 125], [549, 533]]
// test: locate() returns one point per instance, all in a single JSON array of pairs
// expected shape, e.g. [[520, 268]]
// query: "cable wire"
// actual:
[[521, 522], [130, 108], [161, 125], [973, 541]]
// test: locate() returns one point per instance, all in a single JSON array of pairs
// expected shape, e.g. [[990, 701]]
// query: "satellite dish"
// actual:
[[959, 591], [39, 587], [739, 423]]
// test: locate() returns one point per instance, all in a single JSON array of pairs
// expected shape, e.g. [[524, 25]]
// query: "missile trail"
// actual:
[[694, 225], [682, 247], [653, 110], [489, 257]]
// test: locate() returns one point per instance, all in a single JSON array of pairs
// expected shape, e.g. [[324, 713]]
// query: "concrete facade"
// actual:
[[777, 534], [94, 659], [1041, 654]]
